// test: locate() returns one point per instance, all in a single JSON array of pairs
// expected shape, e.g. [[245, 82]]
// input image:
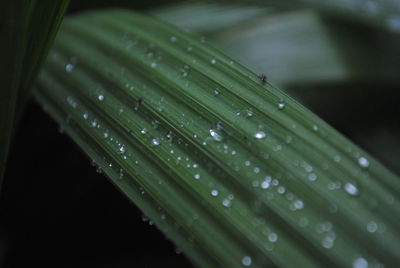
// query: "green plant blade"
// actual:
[[234, 171], [27, 31]]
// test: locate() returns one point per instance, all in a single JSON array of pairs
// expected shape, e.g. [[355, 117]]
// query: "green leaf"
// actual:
[[231, 169], [27, 31]]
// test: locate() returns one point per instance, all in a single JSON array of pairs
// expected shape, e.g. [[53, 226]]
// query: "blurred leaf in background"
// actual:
[[27, 30]]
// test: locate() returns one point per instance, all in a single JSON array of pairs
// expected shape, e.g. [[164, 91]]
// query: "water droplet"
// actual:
[[213, 61], [105, 134], [315, 127], [121, 174], [185, 70], [173, 39], [266, 182], [312, 176], [216, 92], [351, 189], [360, 263], [372, 227], [122, 149], [93, 123], [272, 237], [281, 190], [153, 65], [215, 135], [189, 48], [99, 170], [156, 141], [363, 162], [197, 176], [249, 112], [246, 261], [329, 240], [143, 131], [214, 192], [69, 67], [281, 105], [226, 202], [259, 135], [100, 97], [298, 204], [72, 102]]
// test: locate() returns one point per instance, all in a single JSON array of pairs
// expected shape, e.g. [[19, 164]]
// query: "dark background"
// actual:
[[56, 211]]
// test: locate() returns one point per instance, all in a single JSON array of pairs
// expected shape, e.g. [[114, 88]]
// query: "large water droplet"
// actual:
[[246, 261], [100, 97], [213, 61], [214, 192], [272, 237], [156, 141], [298, 204], [122, 149], [281, 105], [215, 135], [259, 135], [363, 162], [197, 176], [266, 182], [351, 189]]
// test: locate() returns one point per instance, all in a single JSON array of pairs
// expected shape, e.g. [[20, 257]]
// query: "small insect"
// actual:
[[263, 78]]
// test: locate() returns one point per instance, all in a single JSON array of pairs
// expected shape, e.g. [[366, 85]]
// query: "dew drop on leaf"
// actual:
[[259, 135], [281, 105], [214, 192], [215, 135], [156, 141], [363, 162], [246, 261], [272, 237], [351, 189], [122, 149]]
